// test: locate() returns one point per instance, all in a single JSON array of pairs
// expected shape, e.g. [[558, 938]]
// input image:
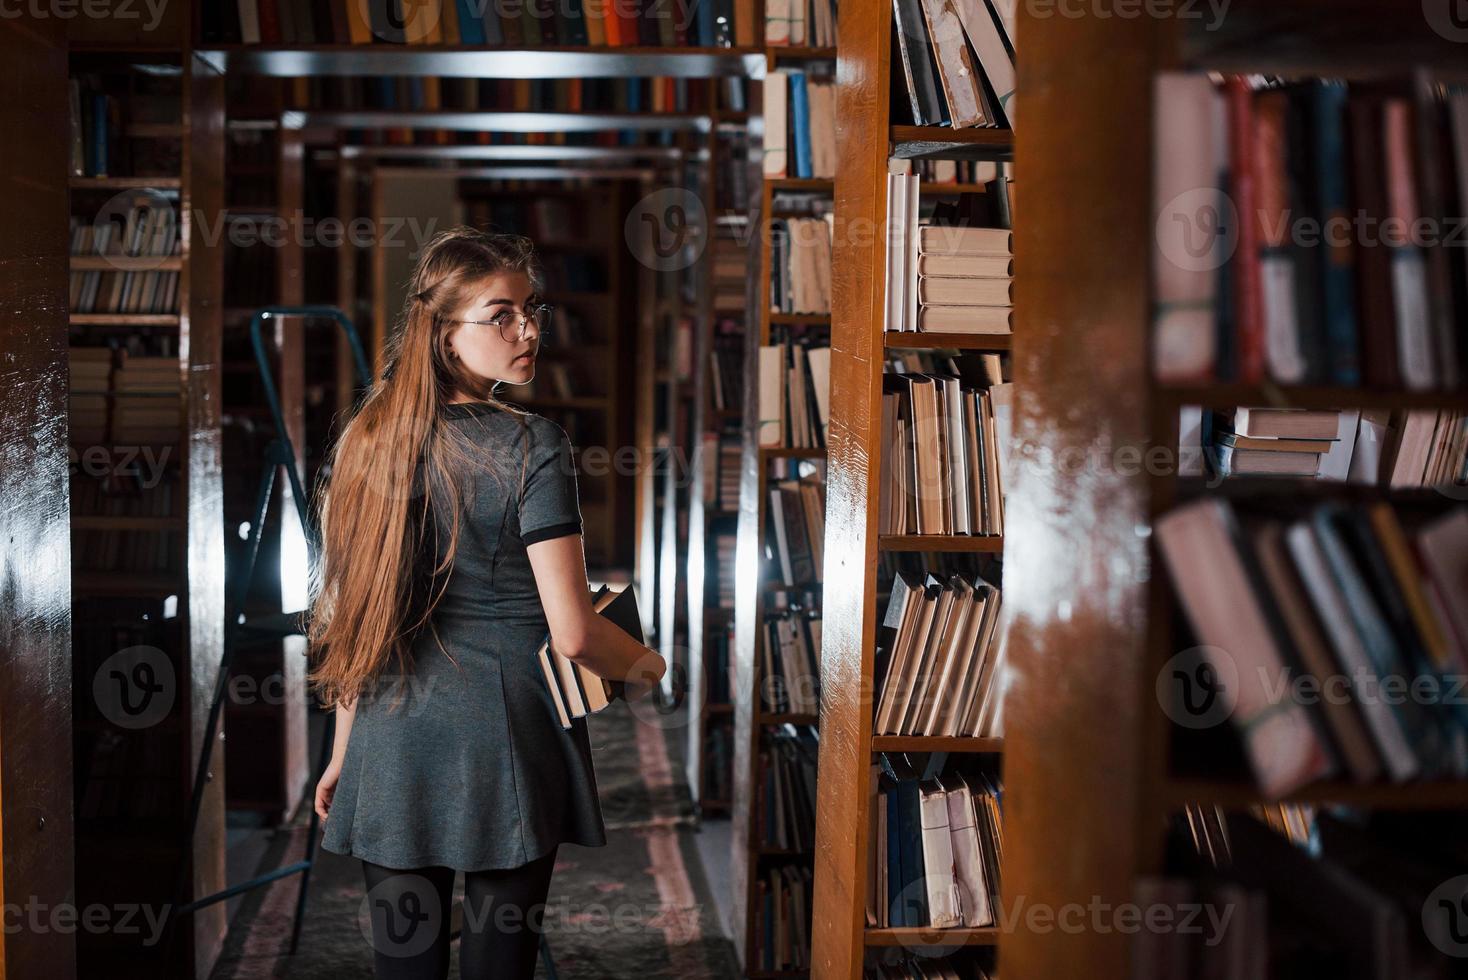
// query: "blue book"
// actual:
[[471, 26], [99, 135], [910, 821], [701, 23], [800, 123], [1337, 272], [894, 859]]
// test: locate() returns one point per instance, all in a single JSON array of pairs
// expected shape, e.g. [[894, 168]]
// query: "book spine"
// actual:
[[1247, 296], [1337, 266], [800, 123]]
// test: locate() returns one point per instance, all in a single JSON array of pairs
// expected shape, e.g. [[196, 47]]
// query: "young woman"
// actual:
[[452, 545]]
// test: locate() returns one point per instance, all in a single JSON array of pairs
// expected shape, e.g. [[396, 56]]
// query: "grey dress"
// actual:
[[472, 770]]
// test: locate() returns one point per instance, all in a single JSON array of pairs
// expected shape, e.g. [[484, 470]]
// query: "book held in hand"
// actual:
[[576, 691]]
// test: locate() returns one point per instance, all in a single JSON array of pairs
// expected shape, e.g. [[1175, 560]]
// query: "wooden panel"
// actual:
[[200, 335], [35, 562], [1076, 590], [849, 625]]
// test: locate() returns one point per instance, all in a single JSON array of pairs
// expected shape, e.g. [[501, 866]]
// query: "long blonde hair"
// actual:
[[392, 479]]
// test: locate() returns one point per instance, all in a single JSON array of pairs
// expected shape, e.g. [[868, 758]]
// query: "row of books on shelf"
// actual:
[[934, 850], [944, 451], [946, 275], [782, 904], [1320, 893], [957, 62], [731, 170], [145, 229], [794, 395], [939, 664], [127, 399], [411, 93], [797, 530], [935, 173], [1305, 231], [800, 23], [1401, 449], [127, 496], [560, 378], [800, 125], [790, 673], [922, 967], [787, 792], [800, 264], [533, 23], [1335, 640], [109, 130], [722, 459]]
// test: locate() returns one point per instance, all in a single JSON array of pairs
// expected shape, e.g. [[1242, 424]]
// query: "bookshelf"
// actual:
[[757, 598], [854, 549], [1108, 623], [148, 552]]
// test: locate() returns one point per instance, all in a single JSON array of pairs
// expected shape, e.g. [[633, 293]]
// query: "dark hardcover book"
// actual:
[[796, 534], [1376, 315], [896, 914], [1336, 265], [220, 22], [620, 609], [269, 22], [1428, 155], [914, 893], [911, 33], [575, 23], [1376, 636], [1245, 288], [1301, 177]]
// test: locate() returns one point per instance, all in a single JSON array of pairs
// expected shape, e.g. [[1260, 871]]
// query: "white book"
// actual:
[[819, 359], [943, 901], [776, 92], [249, 21], [1335, 464], [968, 858], [912, 184], [771, 396], [964, 519], [896, 252], [1414, 330], [1190, 441]]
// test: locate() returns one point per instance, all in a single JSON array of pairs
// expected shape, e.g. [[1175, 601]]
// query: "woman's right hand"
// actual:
[[326, 789]]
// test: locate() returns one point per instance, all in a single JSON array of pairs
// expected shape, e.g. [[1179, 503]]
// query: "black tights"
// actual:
[[503, 918]]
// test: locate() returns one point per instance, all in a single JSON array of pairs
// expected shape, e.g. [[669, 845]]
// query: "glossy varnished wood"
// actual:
[[1077, 588], [35, 551], [849, 626], [200, 347]]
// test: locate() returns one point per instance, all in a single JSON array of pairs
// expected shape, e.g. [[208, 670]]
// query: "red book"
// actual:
[[1248, 292], [269, 22]]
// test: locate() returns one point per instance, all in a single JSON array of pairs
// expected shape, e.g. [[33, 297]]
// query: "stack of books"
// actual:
[[721, 457], [800, 125], [91, 385], [937, 670], [783, 905], [729, 273], [576, 692], [1275, 441], [1347, 600], [935, 851], [790, 669], [147, 401], [786, 803], [800, 264], [725, 549], [943, 453], [957, 60], [948, 276], [794, 395], [1305, 232]]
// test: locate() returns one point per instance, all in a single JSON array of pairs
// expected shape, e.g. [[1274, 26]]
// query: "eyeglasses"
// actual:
[[512, 326]]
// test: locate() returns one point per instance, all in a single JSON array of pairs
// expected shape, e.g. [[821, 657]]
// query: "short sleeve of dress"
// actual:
[[548, 503]]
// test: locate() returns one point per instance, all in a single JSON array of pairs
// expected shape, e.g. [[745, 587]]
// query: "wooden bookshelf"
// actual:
[[854, 547], [175, 563], [1090, 780], [754, 596]]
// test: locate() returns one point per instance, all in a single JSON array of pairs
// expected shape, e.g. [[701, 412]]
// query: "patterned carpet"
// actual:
[[638, 908]]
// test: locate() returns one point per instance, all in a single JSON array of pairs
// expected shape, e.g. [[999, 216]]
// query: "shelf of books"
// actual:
[[913, 759], [457, 38], [1273, 596], [147, 538], [781, 522], [717, 391]]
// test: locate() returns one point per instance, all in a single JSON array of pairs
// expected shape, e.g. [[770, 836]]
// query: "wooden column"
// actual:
[[1076, 590], [35, 544]]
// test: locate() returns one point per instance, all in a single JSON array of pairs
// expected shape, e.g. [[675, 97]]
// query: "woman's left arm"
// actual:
[[577, 632]]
